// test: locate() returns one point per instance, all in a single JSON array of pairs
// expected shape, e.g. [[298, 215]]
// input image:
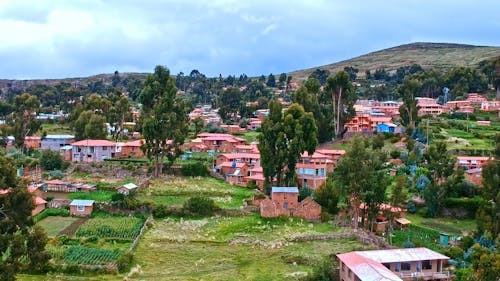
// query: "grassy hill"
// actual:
[[439, 56]]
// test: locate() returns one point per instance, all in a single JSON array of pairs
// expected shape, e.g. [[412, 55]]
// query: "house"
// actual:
[[233, 129], [32, 142], [251, 159], [39, 205], [255, 123], [471, 162], [393, 265], [80, 207], [243, 148], [484, 123], [55, 142], [66, 152], [93, 150], [380, 224], [58, 186], [131, 149], [234, 172], [257, 176], [388, 128], [195, 145], [428, 106], [474, 176], [311, 175], [285, 202], [476, 99], [221, 142], [127, 188]]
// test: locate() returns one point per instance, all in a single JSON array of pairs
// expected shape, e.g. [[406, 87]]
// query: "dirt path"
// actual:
[[72, 228]]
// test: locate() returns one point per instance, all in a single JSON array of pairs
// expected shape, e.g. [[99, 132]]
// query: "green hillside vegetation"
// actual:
[[439, 56]]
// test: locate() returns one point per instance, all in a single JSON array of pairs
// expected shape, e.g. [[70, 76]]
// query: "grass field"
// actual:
[[239, 248], [98, 195], [177, 190], [447, 225], [54, 225], [55, 129]]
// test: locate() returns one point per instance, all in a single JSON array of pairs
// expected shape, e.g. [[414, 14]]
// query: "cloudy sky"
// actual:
[[56, 39]]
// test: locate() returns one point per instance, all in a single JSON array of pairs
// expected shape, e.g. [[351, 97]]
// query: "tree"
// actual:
[[320, 75], [409, 112], [51, 160], [327, 195], [271, 81], [491, 192], [343, 97], [163, 119], [284, 137], [198, 125], [89, 125], [18, 238], [439, 162], [352, 71], [25, 122], [118, 113], [359, 175], [282, 79], [229, 103]]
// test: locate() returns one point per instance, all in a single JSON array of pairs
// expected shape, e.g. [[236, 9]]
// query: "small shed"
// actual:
[[80, 207], [403, 223], [127, 188]]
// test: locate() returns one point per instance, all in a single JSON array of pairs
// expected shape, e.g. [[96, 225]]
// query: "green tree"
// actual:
[[439, 162], [399, 192], [18, 238], [409, 112], [359, 175], [491, 193], [271, 81], [327, 195], [51, 160], [343, 97], [229, 103], [197, 125], [118, 113], [163, 119], [284, 137], [25, 122], [321, 75], [89, 125]]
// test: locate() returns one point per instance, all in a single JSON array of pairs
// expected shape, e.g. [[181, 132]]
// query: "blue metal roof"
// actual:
[[287, 189], [81, 202]]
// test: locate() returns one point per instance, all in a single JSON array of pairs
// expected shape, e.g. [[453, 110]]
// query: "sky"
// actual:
[[77, 38]]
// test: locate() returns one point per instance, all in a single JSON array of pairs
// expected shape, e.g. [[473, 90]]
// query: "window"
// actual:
[[80, 208], [285, 205], [397, 267], [427, 264], [405, 266], [104, 148], [388, 265]]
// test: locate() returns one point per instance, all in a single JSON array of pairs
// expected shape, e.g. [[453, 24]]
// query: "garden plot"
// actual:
[[174, 191], [54, 225]]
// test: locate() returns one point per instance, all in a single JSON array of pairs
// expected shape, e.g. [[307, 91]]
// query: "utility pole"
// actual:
[[427, 133]]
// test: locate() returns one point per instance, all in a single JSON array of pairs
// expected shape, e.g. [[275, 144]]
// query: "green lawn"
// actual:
[[54, 225], [250, 136], [447, 225], [55, 129], [177, 190], [98, 195]]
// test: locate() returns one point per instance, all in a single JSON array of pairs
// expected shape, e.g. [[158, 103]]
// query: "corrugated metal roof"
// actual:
[[402, 255], [59, 137], [287, 189], [130, 185], [367, 269], [81, 202]]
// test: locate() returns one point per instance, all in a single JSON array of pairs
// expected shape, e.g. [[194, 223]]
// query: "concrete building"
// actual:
[[55, 142], [393, 265]]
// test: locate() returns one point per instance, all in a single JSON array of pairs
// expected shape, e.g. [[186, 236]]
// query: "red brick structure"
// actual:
[[131, 149], [32, 142], [474, 176], [284, 202], [81, 207], [39, 206]]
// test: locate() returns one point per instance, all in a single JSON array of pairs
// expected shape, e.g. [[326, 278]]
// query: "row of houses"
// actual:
[[89, 150], [429, 106]]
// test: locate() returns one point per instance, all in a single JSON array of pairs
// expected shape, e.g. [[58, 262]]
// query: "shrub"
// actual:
[[51, 160], [455, 252], [123, 263], [194, 169], [469, 204], [200, 205], [304, 193], [395, 154], [51, 212]]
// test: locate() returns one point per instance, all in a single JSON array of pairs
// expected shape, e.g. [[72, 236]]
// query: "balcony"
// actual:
[[443, 275]]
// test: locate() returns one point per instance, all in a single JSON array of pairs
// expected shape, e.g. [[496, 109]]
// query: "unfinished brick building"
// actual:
[[285, 202]]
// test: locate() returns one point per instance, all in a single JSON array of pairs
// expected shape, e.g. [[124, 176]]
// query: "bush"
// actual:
[[51, 160], [51, 212], [304, 193], [200, 205], [194, 169], [469, 204], [455, 252], [124, 262], [395, 154]]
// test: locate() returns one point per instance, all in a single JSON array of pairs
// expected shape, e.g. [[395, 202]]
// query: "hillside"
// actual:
[[439, 56]]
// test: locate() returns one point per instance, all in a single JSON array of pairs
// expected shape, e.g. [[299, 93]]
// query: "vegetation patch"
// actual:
[[111, 227], [98, 195], [53, 225]]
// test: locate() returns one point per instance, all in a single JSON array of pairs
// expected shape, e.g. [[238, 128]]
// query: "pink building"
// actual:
[[93, 150]]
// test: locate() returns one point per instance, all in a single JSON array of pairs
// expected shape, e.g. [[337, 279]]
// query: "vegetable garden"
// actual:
[[111, 227], [90, 256]]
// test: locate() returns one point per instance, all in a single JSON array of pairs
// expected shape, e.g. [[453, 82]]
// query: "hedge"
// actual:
[[469, 204]]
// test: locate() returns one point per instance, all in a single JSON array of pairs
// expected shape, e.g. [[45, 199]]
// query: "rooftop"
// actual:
[[80, 202], [288, 189]]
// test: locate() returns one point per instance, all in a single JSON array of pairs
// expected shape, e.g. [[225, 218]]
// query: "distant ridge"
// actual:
[[439, 56]]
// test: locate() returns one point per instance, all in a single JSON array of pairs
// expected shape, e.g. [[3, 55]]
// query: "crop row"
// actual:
[[89, 256], [114, 227]]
